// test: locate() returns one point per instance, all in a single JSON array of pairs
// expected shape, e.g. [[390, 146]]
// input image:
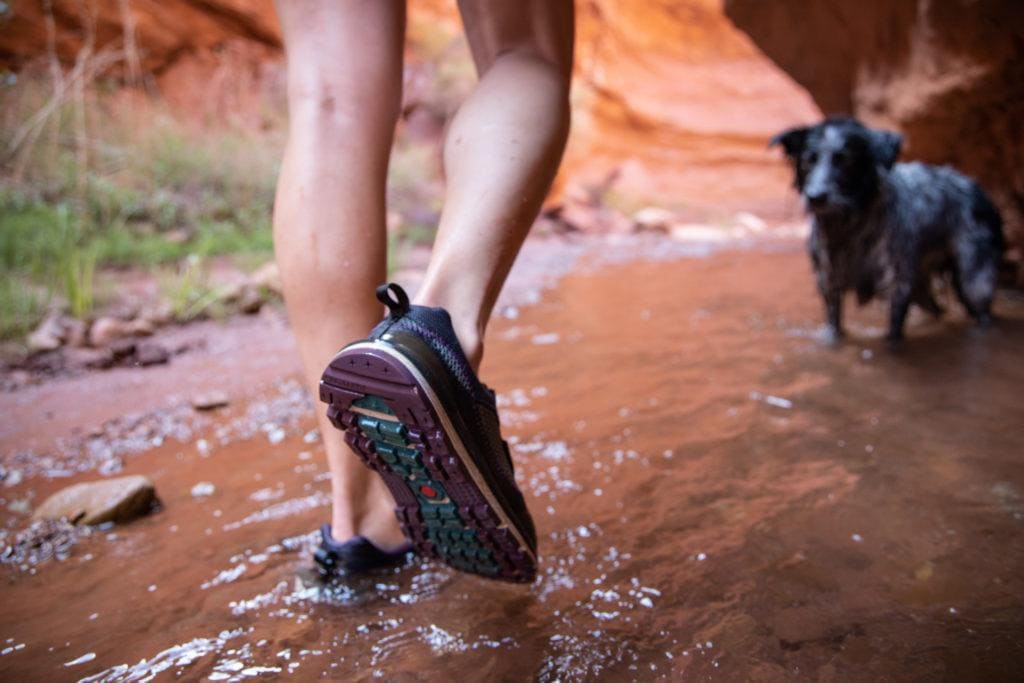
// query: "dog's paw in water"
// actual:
[[834, 336], [829, 336]]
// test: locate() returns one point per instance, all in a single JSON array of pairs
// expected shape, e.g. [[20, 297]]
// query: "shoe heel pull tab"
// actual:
[[395, 298]]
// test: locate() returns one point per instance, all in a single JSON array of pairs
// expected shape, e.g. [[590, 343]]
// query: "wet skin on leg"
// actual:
[[501, 153], [344, 94]]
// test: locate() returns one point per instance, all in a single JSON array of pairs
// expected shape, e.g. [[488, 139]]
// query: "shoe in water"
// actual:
[[357, 555], [413, 410]]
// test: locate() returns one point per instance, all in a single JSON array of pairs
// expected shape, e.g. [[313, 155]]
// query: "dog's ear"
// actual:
[[793, 141], [886, 146]]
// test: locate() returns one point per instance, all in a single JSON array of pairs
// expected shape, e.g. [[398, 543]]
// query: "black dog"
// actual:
[[882, 228]]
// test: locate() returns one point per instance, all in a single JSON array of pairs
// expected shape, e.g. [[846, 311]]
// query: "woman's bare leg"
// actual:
[[344, 92], [500, 154]]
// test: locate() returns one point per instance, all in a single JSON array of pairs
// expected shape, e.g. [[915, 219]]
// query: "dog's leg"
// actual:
[[922, 296], [898, 305], [831, 291], [958, 289], [975, 290], [834, 312]]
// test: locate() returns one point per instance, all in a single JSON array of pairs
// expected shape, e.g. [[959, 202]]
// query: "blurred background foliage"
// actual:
[[98, 178]]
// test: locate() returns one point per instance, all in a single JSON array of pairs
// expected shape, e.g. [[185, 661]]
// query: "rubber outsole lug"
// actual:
[[392, 427]]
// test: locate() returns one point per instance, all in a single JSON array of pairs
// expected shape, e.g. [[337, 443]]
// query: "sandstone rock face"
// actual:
[[672, 104], [206, 58], [110, 500], [674, 107], [948, 74], [164, 30]]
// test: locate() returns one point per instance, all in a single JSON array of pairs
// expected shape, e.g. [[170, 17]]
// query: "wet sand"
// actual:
[[718, 494]]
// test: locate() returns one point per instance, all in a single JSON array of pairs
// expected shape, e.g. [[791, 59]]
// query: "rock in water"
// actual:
[[250, 300], [151, 353], [76, 332], [267, 276], [110, 500], [122, 348], [141, 327], [106, 330], [89, 358], [158, 314], [654, 218], [210, 400], [48, 336]]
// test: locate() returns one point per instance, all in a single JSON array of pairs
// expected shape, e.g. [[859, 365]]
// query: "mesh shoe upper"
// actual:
[[434, 326]]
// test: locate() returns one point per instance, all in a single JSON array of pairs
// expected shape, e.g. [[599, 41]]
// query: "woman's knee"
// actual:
[[343, 104]]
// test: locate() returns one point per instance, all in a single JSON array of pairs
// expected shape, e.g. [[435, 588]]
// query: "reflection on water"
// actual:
[[717, 494]]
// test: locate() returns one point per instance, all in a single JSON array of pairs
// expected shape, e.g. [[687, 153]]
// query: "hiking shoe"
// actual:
[[357, 555], [414, 411]]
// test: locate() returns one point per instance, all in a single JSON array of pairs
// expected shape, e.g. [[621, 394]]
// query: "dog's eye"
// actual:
[[810, 158]]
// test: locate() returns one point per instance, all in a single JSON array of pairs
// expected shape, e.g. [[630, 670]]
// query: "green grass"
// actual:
[[152, 195], [47, 255], [42, 255], [77, 270], [22, 306], [188, 291], [158, 193], [30, 236]]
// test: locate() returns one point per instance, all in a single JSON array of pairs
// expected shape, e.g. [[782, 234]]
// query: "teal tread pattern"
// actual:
[[449, 535]]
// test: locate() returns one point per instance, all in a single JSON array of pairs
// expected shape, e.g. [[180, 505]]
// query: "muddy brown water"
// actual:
[[717, 493]]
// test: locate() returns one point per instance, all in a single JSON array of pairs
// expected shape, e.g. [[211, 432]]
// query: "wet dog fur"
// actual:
[[884, 229]]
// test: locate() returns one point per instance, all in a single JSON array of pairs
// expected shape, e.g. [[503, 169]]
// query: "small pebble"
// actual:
[[210, 400]]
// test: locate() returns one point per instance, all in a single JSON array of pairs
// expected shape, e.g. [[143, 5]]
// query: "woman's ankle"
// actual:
[[373, 519], [465, 322], [379, 524], [472, 343]]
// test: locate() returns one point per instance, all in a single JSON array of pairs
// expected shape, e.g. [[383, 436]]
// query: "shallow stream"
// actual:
[[719, 495]]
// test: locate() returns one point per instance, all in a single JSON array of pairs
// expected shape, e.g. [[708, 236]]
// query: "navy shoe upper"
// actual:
[[354, 556], [434, 326]]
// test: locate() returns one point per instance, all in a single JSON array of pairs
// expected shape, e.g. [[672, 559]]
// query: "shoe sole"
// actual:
[[394, 422]]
